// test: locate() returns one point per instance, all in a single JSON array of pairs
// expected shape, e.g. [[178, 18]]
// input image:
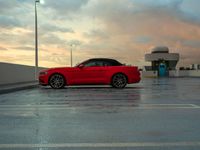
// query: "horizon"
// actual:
[[120, 29]]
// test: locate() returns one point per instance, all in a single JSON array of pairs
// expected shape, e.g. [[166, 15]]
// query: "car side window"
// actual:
[[90, 64], [106, 63], [111, 63], [93, 64], [100, 63]]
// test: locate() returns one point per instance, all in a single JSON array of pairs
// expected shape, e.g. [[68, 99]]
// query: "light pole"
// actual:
[[71, 55], [73, 43], [36, 41]]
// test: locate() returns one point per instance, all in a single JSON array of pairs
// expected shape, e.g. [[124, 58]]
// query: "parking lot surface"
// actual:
[[156, 114]]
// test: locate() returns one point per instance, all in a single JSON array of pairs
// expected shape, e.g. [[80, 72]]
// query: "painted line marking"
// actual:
[[72, 106], [143, 105], [102, 145], [194, 105]]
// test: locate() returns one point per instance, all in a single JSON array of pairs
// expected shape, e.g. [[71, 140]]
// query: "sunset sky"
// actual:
[[121, 29]]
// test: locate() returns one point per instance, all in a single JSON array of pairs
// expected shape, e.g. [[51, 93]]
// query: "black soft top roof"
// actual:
[[107, 59]]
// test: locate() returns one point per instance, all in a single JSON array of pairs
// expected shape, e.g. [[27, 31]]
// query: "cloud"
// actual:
[[8, 22], [7, 5], [3, 48], [191, 43], [54, 57], [52, 39], [190, 11], [157, 3], [97, 33], [180, 9], [124, 29], [74, 42], [63, 7], [143, 39], [190, 56], [149, 22], [55, 28], [24, 48], [16, 38]]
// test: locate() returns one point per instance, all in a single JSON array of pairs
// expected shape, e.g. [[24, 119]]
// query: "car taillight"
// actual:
[[136, 70]]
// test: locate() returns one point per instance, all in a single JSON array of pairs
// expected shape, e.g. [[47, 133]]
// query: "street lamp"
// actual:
[[36, 41], [73, 43], [36, 38], [71, 55]]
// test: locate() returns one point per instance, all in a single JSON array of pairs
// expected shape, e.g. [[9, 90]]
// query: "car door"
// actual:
[[91, 72]]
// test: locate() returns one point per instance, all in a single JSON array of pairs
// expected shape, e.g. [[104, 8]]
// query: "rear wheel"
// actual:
[[119, 80], [57, 81]]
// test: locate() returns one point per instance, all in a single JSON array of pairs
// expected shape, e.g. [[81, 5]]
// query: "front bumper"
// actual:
[[43, 80]]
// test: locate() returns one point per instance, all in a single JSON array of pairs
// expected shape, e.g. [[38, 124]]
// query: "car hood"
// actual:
[[57, 68]]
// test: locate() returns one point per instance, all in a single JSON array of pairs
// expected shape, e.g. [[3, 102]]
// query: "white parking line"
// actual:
[[72, 106], [103, 145], [194, 105]]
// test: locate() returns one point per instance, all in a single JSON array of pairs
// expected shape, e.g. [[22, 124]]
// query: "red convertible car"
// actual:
[[93, 71]]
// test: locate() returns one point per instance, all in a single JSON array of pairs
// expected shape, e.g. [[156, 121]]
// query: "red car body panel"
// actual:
[[83, 74], [91, 75]]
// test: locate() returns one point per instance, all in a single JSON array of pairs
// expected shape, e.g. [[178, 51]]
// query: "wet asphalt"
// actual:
[[156, 114]]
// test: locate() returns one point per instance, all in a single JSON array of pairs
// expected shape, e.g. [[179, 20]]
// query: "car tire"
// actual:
[[119, 80], [57, 81]]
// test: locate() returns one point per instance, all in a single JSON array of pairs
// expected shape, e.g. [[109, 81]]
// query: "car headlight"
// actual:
[[43, 73]]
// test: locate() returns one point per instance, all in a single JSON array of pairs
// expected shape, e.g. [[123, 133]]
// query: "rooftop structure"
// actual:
[[162, 61]]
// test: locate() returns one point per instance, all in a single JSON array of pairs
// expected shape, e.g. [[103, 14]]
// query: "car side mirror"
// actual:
[[81, 66]]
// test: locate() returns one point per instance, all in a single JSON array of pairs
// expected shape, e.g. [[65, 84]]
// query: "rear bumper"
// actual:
[[135, 79]]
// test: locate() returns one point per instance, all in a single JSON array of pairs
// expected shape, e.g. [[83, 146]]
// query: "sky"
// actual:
[[121, 29]]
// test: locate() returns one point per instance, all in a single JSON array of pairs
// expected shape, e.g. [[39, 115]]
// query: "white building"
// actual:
[[162, 61]]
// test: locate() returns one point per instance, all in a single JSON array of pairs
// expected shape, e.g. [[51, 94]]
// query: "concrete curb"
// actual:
[[19, 87]]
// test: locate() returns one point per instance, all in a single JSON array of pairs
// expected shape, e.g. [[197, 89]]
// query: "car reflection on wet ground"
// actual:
[[154, 114]]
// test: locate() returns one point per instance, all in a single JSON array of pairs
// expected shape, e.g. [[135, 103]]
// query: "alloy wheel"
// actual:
[[57, 81], [119, 81]]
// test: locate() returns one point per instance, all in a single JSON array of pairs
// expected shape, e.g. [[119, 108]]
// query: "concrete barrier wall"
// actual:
[[173, 73], [149, 74], [14, 73], [184, 73], [195, 73]]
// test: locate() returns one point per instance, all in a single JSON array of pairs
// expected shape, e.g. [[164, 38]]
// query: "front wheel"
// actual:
[[57, 81], [119, 80]]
